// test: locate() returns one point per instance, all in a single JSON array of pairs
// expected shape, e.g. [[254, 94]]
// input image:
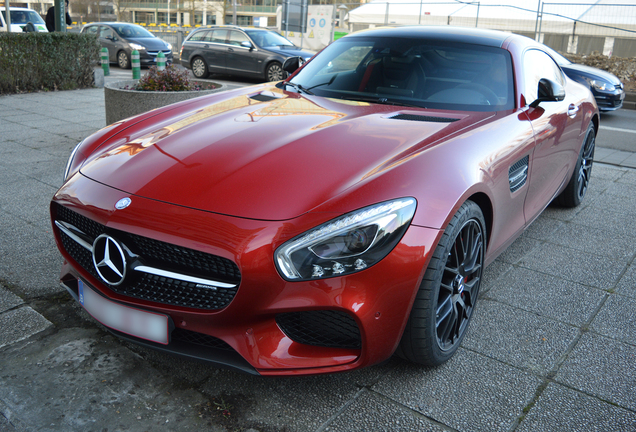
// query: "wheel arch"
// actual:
[[595, 122], [484, 203]]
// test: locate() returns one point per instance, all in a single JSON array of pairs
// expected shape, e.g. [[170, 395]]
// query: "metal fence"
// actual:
[[567, 27]]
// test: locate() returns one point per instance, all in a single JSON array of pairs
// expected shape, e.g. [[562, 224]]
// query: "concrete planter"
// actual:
[[121, 103]]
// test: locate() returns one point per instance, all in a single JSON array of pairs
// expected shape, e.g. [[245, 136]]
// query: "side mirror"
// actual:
[[247, 44], [549, 91], [29, 27], [291, 64]]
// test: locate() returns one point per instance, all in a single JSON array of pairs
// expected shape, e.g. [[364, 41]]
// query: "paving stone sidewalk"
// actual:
[[552, 346]]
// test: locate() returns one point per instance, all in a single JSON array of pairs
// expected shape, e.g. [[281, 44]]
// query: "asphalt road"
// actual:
[[618, 130]]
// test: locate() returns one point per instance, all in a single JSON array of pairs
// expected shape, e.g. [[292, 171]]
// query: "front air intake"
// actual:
[[324, 328]]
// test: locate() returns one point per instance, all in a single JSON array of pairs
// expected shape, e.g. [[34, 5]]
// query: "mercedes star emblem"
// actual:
[[109, 259], [123, 203]]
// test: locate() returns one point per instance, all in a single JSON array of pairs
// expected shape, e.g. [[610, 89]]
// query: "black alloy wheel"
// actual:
[[447, 296], [459, 286], [123, 60], [575, 191], [274, 72], [199, 68]]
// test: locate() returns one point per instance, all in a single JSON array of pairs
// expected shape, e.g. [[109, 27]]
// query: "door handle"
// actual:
[[230, 49], [572, 110]]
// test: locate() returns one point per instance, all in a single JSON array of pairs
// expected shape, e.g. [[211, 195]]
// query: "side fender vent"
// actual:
[[413, 117], [518, 174]]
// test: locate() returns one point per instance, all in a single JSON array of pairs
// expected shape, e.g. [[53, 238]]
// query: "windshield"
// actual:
[[412, 72], [268, 38], [23, 17], [132, 31]]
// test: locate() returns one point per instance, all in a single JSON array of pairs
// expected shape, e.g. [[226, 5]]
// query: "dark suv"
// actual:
[[122, 38], [250, 52]]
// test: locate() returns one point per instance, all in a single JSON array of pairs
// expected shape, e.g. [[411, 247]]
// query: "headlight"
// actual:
[[347, 244], [137, 46], [67, 171], [602, 85], [169, 46]]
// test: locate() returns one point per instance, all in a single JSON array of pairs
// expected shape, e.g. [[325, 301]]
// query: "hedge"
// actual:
[[47, 61]]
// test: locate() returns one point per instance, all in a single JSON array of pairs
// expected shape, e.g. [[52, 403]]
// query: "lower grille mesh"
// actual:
[[194, 338], [326, 328]]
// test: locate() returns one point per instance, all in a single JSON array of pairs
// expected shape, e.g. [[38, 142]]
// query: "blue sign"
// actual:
[[312, 22], [322, 22]]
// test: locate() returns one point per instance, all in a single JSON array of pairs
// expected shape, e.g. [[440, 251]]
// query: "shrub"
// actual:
[[169, 79], [46, 61]]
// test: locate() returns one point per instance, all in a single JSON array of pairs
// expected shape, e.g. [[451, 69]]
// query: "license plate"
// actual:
[[135, 322]]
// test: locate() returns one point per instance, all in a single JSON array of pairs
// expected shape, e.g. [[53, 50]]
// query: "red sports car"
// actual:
[[330, 220]]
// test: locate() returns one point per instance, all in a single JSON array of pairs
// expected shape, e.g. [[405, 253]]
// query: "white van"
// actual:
[[19, 18]]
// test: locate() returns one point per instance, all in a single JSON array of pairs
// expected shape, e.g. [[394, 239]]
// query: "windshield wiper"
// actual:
[[327, 83], [299, 88], [379, 100]]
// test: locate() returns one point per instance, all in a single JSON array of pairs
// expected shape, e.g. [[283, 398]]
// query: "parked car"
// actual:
[[20, 17], [606, 87], [335, 218], [122, 38], [249, 52]]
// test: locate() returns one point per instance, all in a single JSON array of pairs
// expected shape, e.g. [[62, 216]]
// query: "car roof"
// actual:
[[475, 36], [230, 27]]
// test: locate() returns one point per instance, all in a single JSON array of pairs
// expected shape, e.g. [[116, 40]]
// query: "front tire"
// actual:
[[274, 72], [575, 191], [448, 294], [199, 68], [123, 60]]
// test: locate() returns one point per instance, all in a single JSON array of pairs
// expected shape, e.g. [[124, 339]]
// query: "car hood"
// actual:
[[150, 43], [289, 51], [591, 72], [262, 153]]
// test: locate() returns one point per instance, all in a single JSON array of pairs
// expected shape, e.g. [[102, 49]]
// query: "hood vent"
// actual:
[[263, 97], [413, 117]]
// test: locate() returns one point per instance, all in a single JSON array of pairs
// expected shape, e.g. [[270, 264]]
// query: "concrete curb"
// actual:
[[121, 103]]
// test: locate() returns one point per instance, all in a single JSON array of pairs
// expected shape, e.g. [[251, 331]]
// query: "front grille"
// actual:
[[325, 328], [158, 255], [200, 339]]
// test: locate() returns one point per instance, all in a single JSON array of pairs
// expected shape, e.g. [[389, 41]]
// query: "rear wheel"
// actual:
[[575, 191], [123, 60], [448, 294], [199, 68], [274, 72]]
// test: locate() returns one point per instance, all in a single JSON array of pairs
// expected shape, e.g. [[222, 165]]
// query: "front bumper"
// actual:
[[149, 58], [609, 101], [253, 329]]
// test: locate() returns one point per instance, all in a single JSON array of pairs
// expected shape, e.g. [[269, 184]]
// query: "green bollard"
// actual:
[[161, 61], [136, 66], [105, 63]]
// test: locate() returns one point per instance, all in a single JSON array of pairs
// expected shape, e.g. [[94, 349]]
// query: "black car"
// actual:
[[122, 38], [250, 52], [606, 87]]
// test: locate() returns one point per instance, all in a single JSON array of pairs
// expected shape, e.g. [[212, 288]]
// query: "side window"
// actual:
[[105, 32], [92, 30], [199, 36], [217, 36], [537, 65], [237, 37]]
